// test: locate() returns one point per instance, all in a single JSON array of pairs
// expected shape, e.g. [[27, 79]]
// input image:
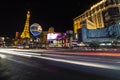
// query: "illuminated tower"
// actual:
[[25, 33]]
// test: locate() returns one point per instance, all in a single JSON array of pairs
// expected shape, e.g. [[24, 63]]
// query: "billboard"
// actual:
[[35, 29], [52, 36]]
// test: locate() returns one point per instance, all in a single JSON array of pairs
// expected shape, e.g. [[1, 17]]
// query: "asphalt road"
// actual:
[[29, 68]]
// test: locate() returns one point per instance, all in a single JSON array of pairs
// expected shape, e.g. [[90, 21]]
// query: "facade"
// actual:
[[17, 38], [99, 23], [6, 41], [107, 35], [51, 38], [2, 41], [100, 15]]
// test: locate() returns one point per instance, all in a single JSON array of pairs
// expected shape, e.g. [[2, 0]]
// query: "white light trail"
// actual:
[[2, 56], [83, 63], [25, 54]]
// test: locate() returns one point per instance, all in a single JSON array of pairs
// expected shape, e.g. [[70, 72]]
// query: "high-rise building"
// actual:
[[100, 15], [100, 23]]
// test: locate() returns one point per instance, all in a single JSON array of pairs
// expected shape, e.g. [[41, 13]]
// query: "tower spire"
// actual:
[[25, 33]]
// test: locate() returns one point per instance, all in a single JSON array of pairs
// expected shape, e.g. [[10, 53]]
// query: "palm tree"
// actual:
[[69, 36]]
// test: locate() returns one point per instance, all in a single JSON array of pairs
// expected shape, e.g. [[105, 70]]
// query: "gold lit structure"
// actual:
[[25, 33], [99, 15]]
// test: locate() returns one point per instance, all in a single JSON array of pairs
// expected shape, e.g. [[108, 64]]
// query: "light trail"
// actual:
[[85, 58], [91, 64], [91, 53], [83, 63], [3, 56], [110, 54], [24, 54]]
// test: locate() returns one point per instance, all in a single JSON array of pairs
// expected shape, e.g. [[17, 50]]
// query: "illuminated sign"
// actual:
[[52, 36], [35, 29]]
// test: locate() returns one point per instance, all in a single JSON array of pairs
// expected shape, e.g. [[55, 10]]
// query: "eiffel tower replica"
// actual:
[[25, 34]]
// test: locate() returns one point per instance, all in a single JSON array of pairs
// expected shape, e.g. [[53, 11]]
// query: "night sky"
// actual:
[[48, 13]]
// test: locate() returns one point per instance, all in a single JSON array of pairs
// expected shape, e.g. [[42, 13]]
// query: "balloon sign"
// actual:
[[35, 29]]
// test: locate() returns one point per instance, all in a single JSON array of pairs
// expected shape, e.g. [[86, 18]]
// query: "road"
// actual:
[[32, 66]]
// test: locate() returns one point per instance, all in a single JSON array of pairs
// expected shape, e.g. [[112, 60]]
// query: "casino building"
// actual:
[[99, 23]]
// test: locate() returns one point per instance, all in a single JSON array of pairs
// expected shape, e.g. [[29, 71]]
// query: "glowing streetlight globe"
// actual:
[[35, 29]]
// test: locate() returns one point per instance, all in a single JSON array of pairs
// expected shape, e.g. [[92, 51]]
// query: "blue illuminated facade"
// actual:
[[107, 34]]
